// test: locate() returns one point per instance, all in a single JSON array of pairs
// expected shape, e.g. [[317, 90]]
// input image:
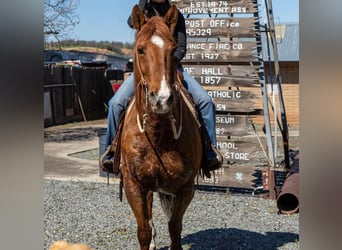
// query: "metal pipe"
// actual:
[[288, 199]]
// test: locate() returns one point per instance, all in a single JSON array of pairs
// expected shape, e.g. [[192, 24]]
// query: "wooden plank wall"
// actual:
[[289, 72], [78, 93]]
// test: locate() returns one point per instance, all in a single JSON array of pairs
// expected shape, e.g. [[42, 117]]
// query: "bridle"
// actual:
[[142, 128]]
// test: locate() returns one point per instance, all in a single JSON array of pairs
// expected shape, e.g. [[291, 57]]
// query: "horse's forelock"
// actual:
[[155, 26]]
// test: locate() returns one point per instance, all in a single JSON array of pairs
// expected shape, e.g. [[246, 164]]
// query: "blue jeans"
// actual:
[[118, 103]]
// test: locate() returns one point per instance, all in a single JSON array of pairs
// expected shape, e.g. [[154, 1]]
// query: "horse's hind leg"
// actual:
[[141, 204]]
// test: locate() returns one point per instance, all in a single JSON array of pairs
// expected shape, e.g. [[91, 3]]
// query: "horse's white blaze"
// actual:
[[164, 93], [157, 40]]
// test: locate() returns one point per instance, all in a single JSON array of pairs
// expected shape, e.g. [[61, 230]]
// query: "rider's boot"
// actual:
[[106, 160], [214, 161]]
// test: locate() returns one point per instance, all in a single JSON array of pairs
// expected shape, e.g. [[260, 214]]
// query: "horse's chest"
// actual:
[[161, 169], [155, 163]]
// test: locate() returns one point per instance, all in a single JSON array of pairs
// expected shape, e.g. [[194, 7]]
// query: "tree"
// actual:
[[60, 18]]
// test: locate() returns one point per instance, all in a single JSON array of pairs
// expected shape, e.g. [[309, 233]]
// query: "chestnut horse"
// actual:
[[160, 143]]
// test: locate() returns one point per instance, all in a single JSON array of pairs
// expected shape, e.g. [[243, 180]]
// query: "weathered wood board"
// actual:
[[216, 6], [232, 176], [236, 150], [221, 27], [209, 82], [233, 125], [234, 105], [238, 71], [233, 100], [225, 75], [222, 55], [216, 52], [241, 176], [231, 94]]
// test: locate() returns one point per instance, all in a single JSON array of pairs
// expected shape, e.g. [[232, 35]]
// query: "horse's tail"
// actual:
[[167, 203]]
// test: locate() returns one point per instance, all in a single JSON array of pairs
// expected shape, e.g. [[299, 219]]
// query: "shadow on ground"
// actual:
[[234, 239]]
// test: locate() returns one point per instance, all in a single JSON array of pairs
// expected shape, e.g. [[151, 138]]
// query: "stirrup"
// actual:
[[101, 160], [218, 154], [216, 165]]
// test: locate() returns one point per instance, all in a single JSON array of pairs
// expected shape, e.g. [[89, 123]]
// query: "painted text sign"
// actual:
[[230, 94], [235, 150], [227, 105], [226, 81], [220, 52], [232, 125], [231, 119], [234, 176], [232, 101], [216, 6], [239, 71], [220, 27]]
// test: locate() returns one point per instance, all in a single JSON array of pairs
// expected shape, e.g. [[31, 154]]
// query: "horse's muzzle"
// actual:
[[160, 104]]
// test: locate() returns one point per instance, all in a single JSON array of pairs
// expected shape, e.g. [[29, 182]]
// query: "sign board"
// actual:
[[222, 56], [224, 75], [232, 125], [208, 81], [233, 176], [220, 27], [231, 94], [239, 71], [216, 6], [235, 150], [215, 52], [232, 101], [226, 105]]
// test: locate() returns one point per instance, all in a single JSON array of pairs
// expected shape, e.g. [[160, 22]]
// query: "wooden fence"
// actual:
[[76, 93]]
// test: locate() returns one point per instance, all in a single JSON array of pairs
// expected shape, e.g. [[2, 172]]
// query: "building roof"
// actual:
[[287, 36], [86, 58]]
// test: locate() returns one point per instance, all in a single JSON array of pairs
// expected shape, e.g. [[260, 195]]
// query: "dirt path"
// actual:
[[60, 142]]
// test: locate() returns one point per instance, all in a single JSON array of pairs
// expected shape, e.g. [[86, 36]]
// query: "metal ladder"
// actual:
[[275, 81]]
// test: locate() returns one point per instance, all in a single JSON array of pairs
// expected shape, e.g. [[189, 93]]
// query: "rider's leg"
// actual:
[[206, 108], [117, 104]]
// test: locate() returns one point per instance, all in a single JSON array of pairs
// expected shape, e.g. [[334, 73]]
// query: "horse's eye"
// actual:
[[141, 51]]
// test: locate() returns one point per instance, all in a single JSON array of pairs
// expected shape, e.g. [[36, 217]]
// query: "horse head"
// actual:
[[154, 65]]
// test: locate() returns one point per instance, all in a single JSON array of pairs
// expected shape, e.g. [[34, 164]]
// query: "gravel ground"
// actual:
[[91, 213]]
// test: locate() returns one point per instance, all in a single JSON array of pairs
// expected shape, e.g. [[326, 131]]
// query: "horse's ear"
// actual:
[[138, 18], [171, 17]]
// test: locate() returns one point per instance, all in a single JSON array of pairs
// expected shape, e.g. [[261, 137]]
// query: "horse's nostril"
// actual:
[[153, 94], [170, 100], [153, 98]]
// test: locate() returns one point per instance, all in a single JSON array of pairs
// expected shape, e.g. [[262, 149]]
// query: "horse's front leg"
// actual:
[[141, 204], [181, 202], [150, 220]]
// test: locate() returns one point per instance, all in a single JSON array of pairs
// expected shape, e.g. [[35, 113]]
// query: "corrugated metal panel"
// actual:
[[287, 36]]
